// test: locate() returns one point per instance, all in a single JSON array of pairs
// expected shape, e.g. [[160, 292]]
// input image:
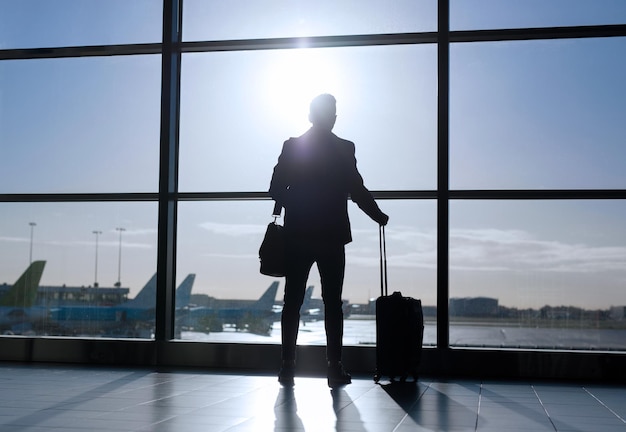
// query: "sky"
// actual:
[[524, 115]]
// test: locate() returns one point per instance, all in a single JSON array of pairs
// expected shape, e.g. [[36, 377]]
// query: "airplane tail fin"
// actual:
[[267, 299], [24, 290], [146, 299], [307, 298], [183, 292]]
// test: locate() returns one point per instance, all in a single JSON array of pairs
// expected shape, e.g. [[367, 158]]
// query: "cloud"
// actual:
[[136, 232], [233, 230], [489, 250], [125, 244], [14, 239], [516, 250]]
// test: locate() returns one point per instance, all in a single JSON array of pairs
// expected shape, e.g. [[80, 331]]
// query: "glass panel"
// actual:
[[411, 238], [89, 264], [80, 124], [58, 23], [538, 274], [492, 14], [237, 108], [220, 240], [538, 114], [219, 243], [249, 19]]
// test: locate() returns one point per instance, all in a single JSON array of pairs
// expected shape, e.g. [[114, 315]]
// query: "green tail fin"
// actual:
[[24, 290]]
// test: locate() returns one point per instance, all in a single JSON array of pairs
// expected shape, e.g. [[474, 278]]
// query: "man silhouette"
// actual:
[[314, 176]]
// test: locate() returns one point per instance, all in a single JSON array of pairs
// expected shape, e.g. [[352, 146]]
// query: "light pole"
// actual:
[[32, 229], [95, 284], [119, 261]]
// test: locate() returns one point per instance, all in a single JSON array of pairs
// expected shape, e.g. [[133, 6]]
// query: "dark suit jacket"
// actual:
[[314, 176]]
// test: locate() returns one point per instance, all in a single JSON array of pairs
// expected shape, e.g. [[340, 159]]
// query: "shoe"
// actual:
[[286, 373], [337, 376]]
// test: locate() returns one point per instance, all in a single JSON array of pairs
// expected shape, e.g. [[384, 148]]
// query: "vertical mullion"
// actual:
[[168, 170], [443, 122]]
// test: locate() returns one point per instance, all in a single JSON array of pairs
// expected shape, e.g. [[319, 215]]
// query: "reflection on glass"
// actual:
[[61, 23], [498, 14], [249, 19], [80, 124], [538, 114], [237, 109], [538, 274], [231, 301], [63, 277]]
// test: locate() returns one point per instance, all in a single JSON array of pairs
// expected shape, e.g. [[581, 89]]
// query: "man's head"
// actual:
[[323, 111]]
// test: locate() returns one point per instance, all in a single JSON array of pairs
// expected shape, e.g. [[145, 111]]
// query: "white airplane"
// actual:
[[254, 316]]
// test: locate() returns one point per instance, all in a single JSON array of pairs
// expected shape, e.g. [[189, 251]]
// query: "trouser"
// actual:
[[331, 262]]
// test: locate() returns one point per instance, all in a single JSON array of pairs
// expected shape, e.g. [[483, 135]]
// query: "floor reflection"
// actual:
[[286, 411], [143, 400], [346, 412]]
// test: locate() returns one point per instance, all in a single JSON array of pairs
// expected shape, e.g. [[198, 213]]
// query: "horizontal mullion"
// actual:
[[487, 194], [534, 33], [513, 194], [493, 35], [79, 197], [81, 51], [243, 196], [222, 196], [546, 194], [310, 42]]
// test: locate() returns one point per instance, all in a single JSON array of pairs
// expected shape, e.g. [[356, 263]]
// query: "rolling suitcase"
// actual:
[[399, 328]]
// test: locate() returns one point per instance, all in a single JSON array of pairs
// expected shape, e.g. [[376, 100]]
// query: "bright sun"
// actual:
[[294, 79]]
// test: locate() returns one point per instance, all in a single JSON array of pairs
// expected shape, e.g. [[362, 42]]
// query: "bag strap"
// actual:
[[383, 261], [277, 209]]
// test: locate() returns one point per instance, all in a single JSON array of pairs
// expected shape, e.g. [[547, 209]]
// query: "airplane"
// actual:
[[308, 314], [18, 313], [133, 318], [313, 309], [183, 292], [256, 317]]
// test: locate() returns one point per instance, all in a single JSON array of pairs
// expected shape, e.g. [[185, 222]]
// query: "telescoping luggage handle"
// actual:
[[277, 209], [383, 261]]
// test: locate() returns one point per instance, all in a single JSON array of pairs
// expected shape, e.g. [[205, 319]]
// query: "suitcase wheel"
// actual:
[[377, 377]]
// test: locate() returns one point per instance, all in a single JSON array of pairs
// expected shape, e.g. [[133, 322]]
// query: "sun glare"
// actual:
[[293, 80]]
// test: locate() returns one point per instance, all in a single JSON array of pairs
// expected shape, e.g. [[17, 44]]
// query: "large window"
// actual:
[[138, 138], [248, 19], [80, 124], [538, 114], [504, 14], [218, 242], [537, 274], [96, 260], [60, 23], [237, 108]]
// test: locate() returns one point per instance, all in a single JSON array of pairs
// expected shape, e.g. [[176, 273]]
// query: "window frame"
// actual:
[[164, 350]]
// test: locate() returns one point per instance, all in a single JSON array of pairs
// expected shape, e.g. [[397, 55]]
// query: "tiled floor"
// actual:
[[37, 398]]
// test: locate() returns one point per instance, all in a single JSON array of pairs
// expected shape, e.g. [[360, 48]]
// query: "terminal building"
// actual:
[[74, 295], [617, 313], [474, 307]]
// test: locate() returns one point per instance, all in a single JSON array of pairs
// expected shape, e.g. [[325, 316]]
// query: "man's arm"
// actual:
[[360, 194], [280, 178]]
